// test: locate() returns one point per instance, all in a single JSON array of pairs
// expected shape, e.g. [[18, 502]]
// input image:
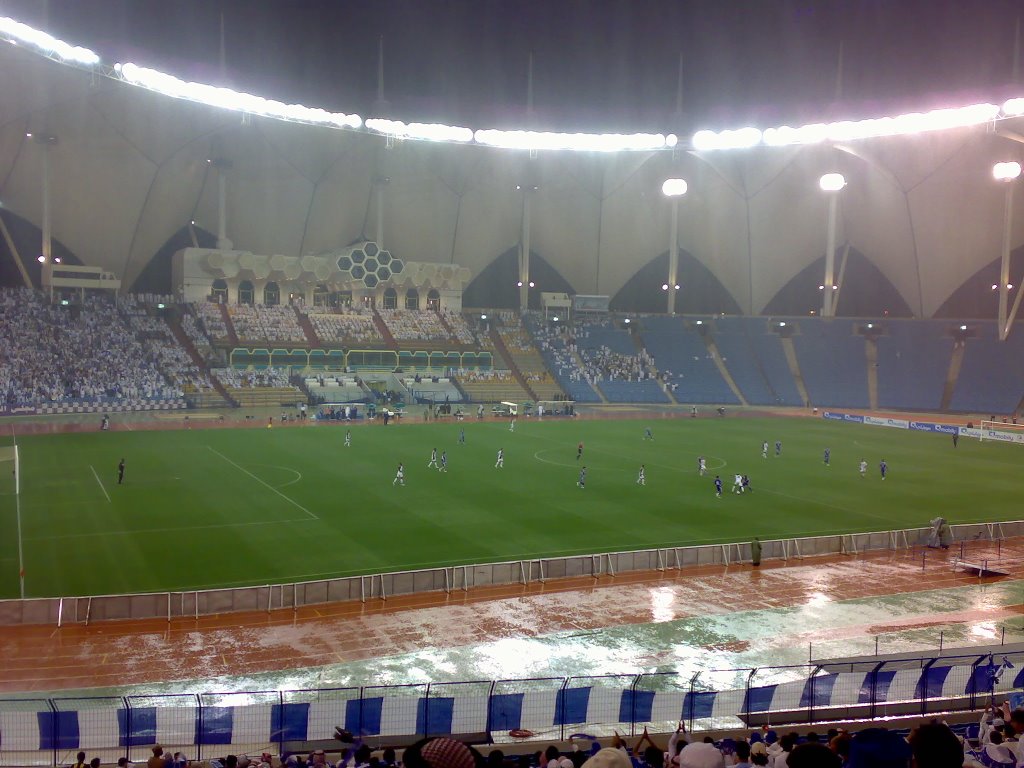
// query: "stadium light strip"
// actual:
[[704, 140], [16, 32], [225, 98]]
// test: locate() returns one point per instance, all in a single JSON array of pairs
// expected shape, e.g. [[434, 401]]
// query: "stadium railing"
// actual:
[[48, 731], [269, 597]]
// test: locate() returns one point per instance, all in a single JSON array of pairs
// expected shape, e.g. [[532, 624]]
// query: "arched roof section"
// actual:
[[495, 286], [700, 292], [864, 290]]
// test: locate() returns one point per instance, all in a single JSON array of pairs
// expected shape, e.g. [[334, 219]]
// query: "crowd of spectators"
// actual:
[[515, 338], [265, 377], [161, 346], [487, 377], [193, 329], [603, 364], [414, 324], [931, 744], [559, 348], [259, 322], [345, 324], [211, 321], [460, 328], [81, 353]]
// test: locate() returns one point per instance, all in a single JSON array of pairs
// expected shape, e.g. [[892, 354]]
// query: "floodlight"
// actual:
[[995, 287], [782, 324], [483, 317], [1009, 286], [64, 302], [700, 322], [193, 222], [832, 182], [532, 284], [673, 188], [1006, 171], [519, 284], [963, 327], [821, 287], [626, 321], [56, 259], [555, 318], [28, 135], [41, 259], [664, 286], [677, 286], [870, 326]]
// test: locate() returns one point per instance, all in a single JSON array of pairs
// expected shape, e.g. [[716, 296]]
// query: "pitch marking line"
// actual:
[[102, 487], [263, 483]]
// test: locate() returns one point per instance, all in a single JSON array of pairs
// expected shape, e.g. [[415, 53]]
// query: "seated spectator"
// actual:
[[935, 746], [813, 755]]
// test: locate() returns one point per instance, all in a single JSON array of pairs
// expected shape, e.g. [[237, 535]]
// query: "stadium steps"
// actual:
[[499, 344], [709, 342], [597, 390], [384, 331], [266, 396], [794, 368], [955, 361], [307, 328], [226, 317], [448, 329], [638, 342], [207, 400], [871, 353]]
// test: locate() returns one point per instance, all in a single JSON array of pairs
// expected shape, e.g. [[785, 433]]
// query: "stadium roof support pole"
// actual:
[[831, 184], [524, 252], [673, 255], [673, 189], [1006, 173], [1004, 264]]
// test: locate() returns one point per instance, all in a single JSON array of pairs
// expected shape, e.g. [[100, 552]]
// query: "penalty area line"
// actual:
[[102, 487], [263, 483]]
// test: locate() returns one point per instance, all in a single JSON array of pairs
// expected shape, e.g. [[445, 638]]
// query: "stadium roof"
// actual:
[[130, 167]]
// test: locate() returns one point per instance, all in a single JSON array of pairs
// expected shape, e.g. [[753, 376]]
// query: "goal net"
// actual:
[[1001, 432], [10, 471]]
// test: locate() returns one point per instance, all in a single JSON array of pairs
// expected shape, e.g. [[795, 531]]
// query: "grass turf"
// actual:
[[209, 508]]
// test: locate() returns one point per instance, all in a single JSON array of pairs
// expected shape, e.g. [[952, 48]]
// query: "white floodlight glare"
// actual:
[[64, 302], [821, 287], [782, 324], [41, 259], [225, 98], [161, 305], [677, 286], [56, 259], [700, 322], [425, 131], [995, 286], [963, 327], [832, 182], [870, 326], [626, 321], [674, 188], [739, 138], [47, 44], [532, 284], [664, 286], [582, 142], [1006, 171], [519, 284], [483, 317], [554, 318]]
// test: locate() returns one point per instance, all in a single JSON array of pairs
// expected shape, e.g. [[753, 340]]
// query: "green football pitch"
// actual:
[[230, 507]]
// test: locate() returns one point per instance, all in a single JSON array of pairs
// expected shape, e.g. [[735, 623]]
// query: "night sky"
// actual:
[[608, 65]]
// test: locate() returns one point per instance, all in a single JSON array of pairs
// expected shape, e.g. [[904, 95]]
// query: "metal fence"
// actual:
[[50, 731], [195, 603]]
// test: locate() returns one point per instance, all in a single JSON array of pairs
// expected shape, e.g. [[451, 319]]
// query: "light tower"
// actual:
[[1006, 173], [831, 184], [673, 189]]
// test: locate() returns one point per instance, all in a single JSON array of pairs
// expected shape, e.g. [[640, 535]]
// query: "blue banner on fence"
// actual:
[[839, 416]]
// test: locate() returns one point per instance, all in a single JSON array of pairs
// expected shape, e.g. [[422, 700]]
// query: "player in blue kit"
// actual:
[[828, 456], [582, 482], [883, 468], [718, 486]]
